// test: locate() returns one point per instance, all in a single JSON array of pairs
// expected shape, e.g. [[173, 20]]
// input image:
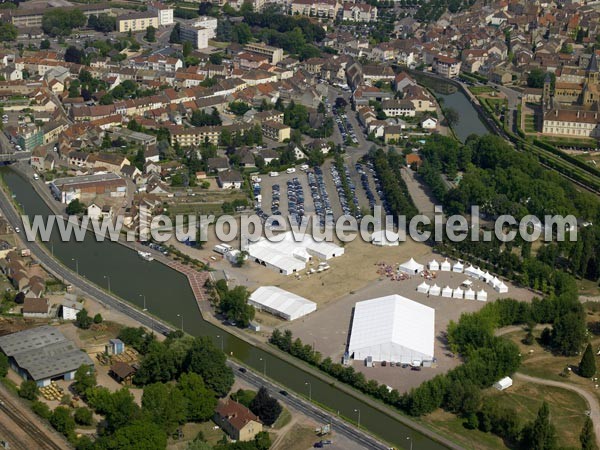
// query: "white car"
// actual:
[[17, 230], [291, 170]]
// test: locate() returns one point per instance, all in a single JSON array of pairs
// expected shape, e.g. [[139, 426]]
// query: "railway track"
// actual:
[[38, 435], [11, 439]]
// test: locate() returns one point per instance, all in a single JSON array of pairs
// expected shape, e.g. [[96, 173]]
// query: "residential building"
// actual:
[[446, 66], [276, 130], [137, 21], [274, 53], [237, 421], [163, 12], [359, 12], [316, 8], [207, 22], [87, 187], [230, 179], [35, 308], [395, 108], [198, 36]]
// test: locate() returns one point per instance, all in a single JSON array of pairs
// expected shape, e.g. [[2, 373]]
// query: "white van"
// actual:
[[36, 176], [304, 167], [291, 170], [273, 174]]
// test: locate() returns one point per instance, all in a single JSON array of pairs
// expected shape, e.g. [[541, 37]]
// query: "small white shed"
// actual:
[[504, 383]]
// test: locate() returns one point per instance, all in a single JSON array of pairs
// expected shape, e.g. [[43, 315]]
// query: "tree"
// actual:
[[265, 407], [188, 48], [239, 108], [98, 318], [75, 207], [536, 78], [85, 379], [62, 421], [137, 435], [540, 434], [150, 34], [41, 409], [28, 390], [587, 436], [451, 116], [121, 409], [587, 365], [102, 23], [234, 305], [3, 365], [44, 44], [200, 401], [209, 362], [83, 416], [83, 320], [8, 32], [175, 37], [569, 333], [61, 21], [164, 405]]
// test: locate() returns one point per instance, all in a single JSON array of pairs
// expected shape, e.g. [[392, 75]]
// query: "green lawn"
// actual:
[[478, 90]]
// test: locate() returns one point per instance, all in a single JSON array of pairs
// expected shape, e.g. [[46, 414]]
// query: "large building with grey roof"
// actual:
[[43, 354]]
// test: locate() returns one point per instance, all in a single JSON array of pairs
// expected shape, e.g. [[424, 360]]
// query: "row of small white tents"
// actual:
[[448, 292], [472, 271]]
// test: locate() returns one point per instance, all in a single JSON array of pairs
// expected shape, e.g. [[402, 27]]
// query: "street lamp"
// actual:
[[179, 315], [408, 438], [108, 281], [358, 411], [264, 366], [307, 383], [76, 265], [144, 297], [221, 338]]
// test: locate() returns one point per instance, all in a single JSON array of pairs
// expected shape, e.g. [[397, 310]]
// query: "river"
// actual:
[[169, 296], [450, 96]]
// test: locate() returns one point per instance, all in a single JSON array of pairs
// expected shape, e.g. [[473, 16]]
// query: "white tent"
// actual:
[[501, 288], [447, 292], [411, 267], [458, 267], [487, 277], [458, 293], [495, 281], [423, 288], [392, 328], [482, 296], [470, 294], [472, 271], [467, 283], [504, 383], [435, 290], [281, 303], [445, 266], [385, 238], [434, 265]]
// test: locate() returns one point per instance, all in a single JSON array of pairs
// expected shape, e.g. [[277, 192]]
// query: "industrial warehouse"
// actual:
[[43, 354], [392, 328], [281, 303]]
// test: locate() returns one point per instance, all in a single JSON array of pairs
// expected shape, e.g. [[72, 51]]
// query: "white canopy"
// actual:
[[467, 283], [504, 383], [447, 292], [487, 277], [458, 293], [470, 294], [435, 290], [495, 281], [411, 267], [434, 265], [482, 296], [281, 303], [501, 288], [446, 266], [423, 288], [458, 267], [385, 238], [472, 271]]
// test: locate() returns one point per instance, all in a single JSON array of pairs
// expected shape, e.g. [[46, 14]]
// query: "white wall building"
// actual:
[[198, 36], [210, 23], [281, 303], [164, 13], [392, 328]]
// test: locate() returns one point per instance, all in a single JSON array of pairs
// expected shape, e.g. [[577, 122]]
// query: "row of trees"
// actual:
[[234, 305]]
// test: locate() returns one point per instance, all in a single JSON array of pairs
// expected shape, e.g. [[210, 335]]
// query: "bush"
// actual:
[[83, 416], [41, 409], [62, 421], [29, 390]]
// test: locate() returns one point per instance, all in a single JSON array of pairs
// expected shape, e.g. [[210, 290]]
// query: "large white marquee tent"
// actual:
[[281, 303], [392, 328], [411, 267]]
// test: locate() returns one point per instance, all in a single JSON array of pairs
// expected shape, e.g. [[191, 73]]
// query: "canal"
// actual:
[[450, 96], [168, 295]]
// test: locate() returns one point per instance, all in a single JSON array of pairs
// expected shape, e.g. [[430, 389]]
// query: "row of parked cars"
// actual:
[[295, 195], [364, 179], [344, 126], [320, 197], [344, 201]]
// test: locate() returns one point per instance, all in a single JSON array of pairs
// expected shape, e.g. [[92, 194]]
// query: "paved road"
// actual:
[[590, 398], [91, 290], [309, 409]]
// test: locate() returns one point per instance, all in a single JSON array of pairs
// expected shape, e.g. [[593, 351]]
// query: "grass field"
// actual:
[[530, 124], [298, 438], [478, 90]]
